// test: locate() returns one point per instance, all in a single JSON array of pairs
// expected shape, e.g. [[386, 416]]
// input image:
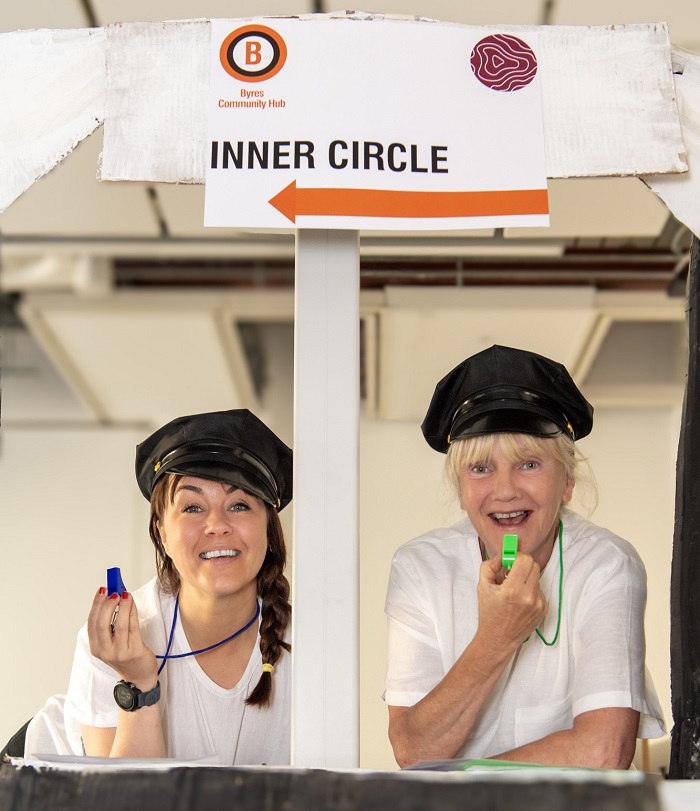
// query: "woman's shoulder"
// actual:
[[597, 545], [446, 544]]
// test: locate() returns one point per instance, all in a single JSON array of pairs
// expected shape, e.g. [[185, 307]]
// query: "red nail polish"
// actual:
[[125, 595], [114, 596], [102, 590]]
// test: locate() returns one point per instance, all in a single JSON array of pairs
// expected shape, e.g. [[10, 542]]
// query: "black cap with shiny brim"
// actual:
[[505, 390], [222, 463], [228, 446]]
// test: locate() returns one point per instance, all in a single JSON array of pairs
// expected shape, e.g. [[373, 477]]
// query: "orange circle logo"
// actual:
[[253, 53]]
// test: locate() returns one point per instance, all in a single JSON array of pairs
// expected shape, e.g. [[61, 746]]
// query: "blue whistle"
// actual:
[[115, 584]]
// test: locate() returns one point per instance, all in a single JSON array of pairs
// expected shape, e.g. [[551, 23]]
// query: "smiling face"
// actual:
[[216, 536], [515, 487]]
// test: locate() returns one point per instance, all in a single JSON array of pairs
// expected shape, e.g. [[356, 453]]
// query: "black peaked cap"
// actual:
[[230, 446], [506, 390]]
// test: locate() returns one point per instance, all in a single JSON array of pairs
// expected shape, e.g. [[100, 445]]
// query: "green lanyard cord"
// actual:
[[561, 589]]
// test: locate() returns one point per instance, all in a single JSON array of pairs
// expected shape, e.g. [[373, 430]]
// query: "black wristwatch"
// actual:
[[130, 698]]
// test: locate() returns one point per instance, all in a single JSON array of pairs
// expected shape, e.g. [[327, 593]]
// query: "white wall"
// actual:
[[70, 510]]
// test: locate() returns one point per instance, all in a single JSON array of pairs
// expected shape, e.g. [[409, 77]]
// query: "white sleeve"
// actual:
[[609, 643], [90, 698], [414, 664]]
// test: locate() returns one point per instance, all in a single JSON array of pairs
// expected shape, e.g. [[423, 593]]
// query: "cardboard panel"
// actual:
[[614, 114]]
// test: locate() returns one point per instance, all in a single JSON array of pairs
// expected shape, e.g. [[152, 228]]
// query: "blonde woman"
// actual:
[[542, 663]]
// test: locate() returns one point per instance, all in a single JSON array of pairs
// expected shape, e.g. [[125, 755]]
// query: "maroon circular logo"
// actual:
[[503, 62]]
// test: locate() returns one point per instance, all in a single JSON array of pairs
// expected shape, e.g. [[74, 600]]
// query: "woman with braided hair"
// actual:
[[195, 663]]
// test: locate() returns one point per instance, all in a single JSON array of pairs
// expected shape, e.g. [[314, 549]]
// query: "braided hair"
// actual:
[[272, 586], [275, 609]]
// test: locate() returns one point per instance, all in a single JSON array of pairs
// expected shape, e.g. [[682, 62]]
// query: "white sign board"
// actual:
[[373, 124]]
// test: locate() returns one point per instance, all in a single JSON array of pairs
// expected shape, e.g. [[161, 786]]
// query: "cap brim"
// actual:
[[504, 420], [218, 472]]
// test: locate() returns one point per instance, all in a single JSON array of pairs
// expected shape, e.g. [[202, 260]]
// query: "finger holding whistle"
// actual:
[[115, 637], [511, 602], [102, 622], [500, 568]]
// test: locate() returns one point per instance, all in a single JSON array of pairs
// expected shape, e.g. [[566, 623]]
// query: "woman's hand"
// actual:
[[510, 606], [115, 639]]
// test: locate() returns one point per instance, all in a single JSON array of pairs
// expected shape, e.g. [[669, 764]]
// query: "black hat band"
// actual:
[[514, 399], [220, 451]]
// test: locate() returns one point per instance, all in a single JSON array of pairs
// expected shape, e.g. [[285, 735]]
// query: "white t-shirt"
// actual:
[[597, 662], [200, 719]]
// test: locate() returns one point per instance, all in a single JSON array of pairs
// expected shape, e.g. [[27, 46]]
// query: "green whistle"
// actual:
[[510, 550]]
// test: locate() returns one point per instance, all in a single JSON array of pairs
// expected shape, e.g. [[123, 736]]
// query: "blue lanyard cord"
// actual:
[[561, 589], [168, 655]]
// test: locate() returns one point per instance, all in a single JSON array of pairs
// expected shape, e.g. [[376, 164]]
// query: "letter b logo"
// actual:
[[253, 53]]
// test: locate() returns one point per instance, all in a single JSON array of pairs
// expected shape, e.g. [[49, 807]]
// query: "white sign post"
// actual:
[[325, 126], [325, 594]]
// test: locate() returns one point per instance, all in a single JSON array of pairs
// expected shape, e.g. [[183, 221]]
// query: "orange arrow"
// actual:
[[294, 202]]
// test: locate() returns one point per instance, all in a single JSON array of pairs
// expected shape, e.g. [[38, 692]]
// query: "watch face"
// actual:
[[123, 696]]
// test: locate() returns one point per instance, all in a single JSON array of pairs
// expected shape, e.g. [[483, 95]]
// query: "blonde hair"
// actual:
[[518, 448]]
